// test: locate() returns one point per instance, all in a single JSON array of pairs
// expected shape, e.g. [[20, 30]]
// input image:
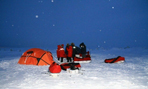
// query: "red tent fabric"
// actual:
[[36, 56]]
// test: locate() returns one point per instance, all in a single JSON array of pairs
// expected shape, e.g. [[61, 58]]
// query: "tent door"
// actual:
[[27, 56]]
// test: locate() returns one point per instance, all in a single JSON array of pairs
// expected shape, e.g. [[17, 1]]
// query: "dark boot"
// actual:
[[67, 59], [70, 60], [61, 59], [58, 59]]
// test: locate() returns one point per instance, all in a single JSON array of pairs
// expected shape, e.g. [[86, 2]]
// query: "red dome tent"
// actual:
[[36, 56]]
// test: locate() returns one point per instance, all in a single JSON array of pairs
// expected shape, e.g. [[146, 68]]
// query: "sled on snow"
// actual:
[[118, 59], [78, 58], [72, 66]]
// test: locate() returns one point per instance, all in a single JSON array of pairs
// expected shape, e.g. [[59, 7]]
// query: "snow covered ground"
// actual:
[[132, 74]]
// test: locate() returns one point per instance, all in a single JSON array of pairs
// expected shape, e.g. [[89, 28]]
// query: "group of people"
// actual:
[[70, 51]]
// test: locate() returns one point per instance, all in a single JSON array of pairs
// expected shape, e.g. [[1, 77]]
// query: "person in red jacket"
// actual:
[[69, 53], [60, 52]]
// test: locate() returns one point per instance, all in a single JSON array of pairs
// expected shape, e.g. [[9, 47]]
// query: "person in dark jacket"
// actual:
[[76, 50], [83, 49]]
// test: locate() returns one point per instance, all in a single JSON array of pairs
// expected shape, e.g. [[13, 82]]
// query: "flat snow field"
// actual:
[[132, 74]]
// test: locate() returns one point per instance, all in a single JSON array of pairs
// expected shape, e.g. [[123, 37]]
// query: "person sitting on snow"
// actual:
[[83, 49]]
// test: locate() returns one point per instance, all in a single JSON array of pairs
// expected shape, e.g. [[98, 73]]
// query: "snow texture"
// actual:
[[132, 74]]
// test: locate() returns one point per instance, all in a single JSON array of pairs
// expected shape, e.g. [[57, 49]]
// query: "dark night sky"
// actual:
[[47, 23]]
